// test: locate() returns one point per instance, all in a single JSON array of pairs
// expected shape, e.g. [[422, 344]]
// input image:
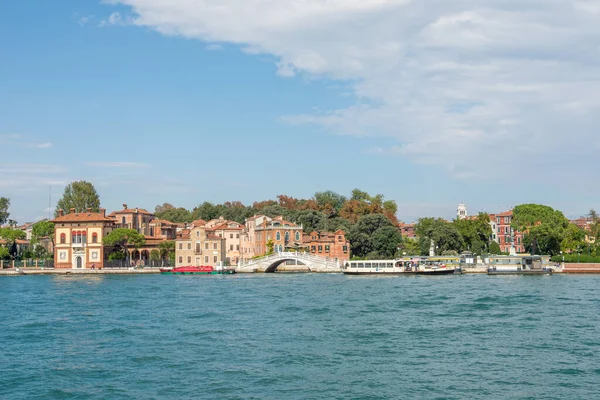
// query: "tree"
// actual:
[[205, 211], [574, 239], [42, 229], [79, 195], [270, 246], [121, 238], [372, 236], [11, 236], [4, 206], [174, 214], [410, 246], [476, 233], [335, 200], [162, 208], [155, 255], [495, 248], [444, 235], [4, 253], [544, 228], [167, 250]]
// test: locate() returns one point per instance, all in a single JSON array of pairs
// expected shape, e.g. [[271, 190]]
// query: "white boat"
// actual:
[[403, 266]]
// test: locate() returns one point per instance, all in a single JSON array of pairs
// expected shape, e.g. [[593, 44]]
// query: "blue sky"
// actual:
[[167, 101]]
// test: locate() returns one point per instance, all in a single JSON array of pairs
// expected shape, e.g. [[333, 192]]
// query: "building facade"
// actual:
[[260, 231], [78, 238], [509, 240], [232, 232], [200, 247], [327, 244]]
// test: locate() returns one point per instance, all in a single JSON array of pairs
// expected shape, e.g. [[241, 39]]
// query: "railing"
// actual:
[[293, 255]]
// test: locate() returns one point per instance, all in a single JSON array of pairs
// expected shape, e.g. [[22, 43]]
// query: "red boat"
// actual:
[[202, 270]]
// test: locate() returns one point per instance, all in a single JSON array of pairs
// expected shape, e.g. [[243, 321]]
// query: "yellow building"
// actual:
[[201, 247], [78, 238]]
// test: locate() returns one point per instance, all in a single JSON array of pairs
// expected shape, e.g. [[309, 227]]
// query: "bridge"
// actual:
[[271, 262]]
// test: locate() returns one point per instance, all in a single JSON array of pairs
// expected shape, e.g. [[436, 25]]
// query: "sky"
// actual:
[[430, 103]]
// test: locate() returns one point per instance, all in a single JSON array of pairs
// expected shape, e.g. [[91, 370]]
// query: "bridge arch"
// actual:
[[275, 264]]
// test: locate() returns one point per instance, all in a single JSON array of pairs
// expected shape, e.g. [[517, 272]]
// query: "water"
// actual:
[[300, 336]]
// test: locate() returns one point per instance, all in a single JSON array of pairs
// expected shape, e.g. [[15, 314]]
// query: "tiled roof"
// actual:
[[83, 217], [132, 211], [213, 237], [198, 222], [225, 226], [162, 221]]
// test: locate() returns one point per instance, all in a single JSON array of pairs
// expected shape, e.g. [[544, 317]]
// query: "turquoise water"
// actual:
[[304, 336]]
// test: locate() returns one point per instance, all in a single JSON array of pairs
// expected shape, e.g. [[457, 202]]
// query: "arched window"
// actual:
[[79, 236], [287, 236], [297, 236], [278, 236], [94, 237], [280, 248], [74, 237], [63, 238], [84, 237]]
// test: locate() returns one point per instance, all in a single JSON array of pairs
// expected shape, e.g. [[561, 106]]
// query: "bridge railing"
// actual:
[[329, 262]]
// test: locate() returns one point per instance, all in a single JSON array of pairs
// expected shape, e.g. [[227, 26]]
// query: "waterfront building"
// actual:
[[261, 230], [199, 247], [327, 244], [585, 223], [509, 240], [232, 232], [407, 230], [133, 218], [78, 238]]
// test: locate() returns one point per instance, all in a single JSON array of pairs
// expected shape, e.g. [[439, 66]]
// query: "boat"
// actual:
[[403, 266], [202, 270], [517, 265]]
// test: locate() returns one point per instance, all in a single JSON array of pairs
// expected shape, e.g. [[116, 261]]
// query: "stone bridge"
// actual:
[[270, 263]]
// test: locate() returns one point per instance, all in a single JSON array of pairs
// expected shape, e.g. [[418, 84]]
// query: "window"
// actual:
[[197, 233], [63, 238], [84, 237], [205, 245], [231, 236], [230, 247], [519, 240], [215, 245], [94, 237], [74, 237], [198, 247], [180, 246], [320, 249], [287, 236], [180, 259], [278, 236], [327, 248], [237, 235], [313, 249], [206, 259], [345, 249], [498, 220], [123, 220], [189, 259], [237, 246], [339, 238], [189, 246], [297, 236], [215, 259], [507, 219]]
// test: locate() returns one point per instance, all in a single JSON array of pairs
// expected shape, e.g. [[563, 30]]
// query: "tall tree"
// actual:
[[121, 238], [175, 215], [372, 236], [445, 236], [544, 227], [4, 214], [476, 233], [42, 230], [330, 197], [79, 195]]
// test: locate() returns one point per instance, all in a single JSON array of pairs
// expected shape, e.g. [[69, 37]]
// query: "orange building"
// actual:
[[78, 238], [328, 244], [261, 230]]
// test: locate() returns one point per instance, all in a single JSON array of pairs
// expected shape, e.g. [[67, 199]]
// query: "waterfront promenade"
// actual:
[[52, 271]]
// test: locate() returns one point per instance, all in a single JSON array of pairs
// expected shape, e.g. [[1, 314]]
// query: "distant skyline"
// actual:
[[431, 104]]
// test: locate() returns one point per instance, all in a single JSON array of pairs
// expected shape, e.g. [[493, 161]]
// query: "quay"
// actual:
[[87, 271]]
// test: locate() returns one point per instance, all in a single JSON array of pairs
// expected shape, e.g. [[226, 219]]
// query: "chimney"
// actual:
[[124, 206], [71, 211], [60, 212], [136, 210], [89, 209], [103, 212]]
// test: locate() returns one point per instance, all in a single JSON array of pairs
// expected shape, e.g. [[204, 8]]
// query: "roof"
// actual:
[[131, 211], [198, 222], [83, 217], [162, 221], [225, 226], [213, 237]]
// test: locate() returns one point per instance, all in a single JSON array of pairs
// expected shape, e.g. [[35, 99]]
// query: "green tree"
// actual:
[[311, 220], [444, 234], [11, 236], [367, 237], [79, 195], [174, 214], [121, 238], [205, 211], [41, 230], [476, 233], [167, 250], [330, 197], [155, 255], [574, 238], [4, 206], [410, 246], [544, 228], [495, 248], [270, 246], [4, 253]]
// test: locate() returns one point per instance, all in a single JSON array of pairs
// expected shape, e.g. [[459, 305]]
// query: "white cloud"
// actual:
[[116, 19], [479, 88], [18, 140]]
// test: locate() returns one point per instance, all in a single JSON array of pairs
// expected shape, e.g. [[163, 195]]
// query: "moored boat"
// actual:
[[517, 265], [191, 270], [403, 266]]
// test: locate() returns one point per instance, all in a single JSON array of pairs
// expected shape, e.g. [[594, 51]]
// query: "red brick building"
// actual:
[[327, 244], [502, 233]]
